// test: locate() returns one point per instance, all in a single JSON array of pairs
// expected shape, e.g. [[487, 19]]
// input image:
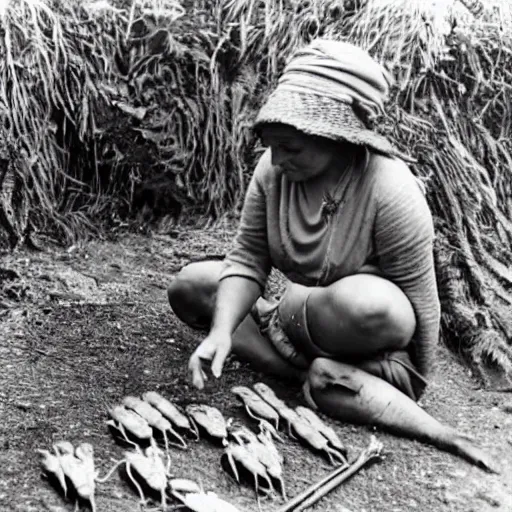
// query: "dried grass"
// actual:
[[102, 95]]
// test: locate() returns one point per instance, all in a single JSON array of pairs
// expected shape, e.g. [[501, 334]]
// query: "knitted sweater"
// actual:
[[384, 221]]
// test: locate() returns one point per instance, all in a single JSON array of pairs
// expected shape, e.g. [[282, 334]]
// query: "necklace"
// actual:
[[330, 205]]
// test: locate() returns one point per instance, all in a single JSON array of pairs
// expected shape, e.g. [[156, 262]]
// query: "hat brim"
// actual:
[[321, 116]]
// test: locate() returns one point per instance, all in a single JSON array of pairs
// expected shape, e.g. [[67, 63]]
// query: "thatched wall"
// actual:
[[107, 103]]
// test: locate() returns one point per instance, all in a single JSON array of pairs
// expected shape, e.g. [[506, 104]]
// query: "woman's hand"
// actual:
[[235, 297], [216, 348]]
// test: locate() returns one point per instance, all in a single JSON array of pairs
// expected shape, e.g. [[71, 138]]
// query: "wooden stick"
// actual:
[[294, 502], [338, 475], [372, 452]]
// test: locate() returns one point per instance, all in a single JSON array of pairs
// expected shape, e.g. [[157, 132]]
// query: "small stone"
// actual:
[[458, 473], [448, 497], [438, 484], [491, 500], [507, 407], [24, 406]]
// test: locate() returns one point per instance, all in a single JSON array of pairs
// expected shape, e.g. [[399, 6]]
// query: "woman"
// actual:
[[333, 206]]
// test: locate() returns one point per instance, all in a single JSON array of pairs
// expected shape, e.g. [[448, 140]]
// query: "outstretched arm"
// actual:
[[241, 283]]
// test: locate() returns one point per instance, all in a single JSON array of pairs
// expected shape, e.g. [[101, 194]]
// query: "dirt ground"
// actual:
[[83, 327]]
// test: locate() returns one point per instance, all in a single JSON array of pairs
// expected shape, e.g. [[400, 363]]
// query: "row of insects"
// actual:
[[244, 451]]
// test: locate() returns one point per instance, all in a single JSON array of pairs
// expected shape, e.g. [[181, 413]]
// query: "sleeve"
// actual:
[[249, 255], [404, 236]]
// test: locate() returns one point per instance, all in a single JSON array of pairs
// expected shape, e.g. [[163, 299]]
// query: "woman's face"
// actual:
[[300, 156]]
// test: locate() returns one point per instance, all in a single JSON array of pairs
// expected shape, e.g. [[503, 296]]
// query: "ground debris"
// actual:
[[488, 498], [87, 371], [507, 407]]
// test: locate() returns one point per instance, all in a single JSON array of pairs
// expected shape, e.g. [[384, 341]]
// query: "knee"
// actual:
[[177, 290], [180, 295], [381, 311], [192, 292], [369, 316]]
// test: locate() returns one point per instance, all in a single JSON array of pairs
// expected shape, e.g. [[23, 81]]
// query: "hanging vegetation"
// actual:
[[109, 107]]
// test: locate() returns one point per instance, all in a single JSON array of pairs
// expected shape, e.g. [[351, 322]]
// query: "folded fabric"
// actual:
[[340, 71]]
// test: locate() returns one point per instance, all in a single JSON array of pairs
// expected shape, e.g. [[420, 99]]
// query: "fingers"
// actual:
[[196, 371], [219, 359], [216, 352]]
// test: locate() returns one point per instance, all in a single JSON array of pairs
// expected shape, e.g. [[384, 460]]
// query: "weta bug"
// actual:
[[239, 453], [204, 502], [51, 464], [263, 448], [316, 440], [149, 466], [267, 393], [327, 431], [125, 420], [183, 485], [77, 466], [170, 411], [194, 498], [272, 455], [210, 419], [255, 406], [154, 419]]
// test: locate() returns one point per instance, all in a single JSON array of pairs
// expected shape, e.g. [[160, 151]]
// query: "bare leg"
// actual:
[[351, 394], [363, 320], [356, 317], [192, 298]]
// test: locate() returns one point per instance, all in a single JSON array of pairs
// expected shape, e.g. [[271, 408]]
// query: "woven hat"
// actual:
[[320, 88]]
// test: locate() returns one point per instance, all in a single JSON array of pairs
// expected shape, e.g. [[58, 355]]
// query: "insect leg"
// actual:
[[267, 428], [136, 484], [183, 444], [121, 429], [270, 485], [250, 413], [336, 455], [290, 430], [232, 464], [167, 454], [110, 472], [162, 495], [283, 490]]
